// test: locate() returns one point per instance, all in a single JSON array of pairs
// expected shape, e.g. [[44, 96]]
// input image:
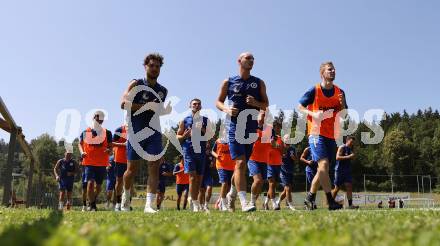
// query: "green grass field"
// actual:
[[321, 227]]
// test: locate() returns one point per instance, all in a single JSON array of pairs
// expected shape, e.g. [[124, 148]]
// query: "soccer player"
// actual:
[[275, 161], [64, 171], [182, 183], [257, 163], [225, 167], [95, 147], [321, 104], [194, 160], [286, 174], [120, 157], [207, 180], [165, 170], [343, 170], [144, 101], [246, 92], [311, 169], [111, 181]]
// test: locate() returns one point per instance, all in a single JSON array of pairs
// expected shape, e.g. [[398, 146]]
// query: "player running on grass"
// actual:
[[225, 167], [144, 100], [120, 157], [286, 174], [321, 104], [194, 158], [65, 170], [95, 147], [182, 183], [246, 92], [343, 170]]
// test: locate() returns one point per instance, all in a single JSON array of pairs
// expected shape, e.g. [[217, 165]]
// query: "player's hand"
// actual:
[[107, 168], [57, 178], [342, 100], [84, 154], [351, 155], [260, 119], [321, 115], [250, 100], [108, 151], [231, 111], [187, 133]]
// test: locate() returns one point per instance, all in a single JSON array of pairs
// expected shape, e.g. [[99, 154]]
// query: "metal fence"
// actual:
[[44, 191]]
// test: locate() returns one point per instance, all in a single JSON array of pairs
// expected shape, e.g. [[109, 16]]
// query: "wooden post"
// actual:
[[29, 184], [7, 185]]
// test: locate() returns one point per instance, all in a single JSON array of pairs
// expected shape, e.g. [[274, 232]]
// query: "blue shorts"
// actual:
[[161, 187], [151, 145], [343, 176], [256, 167], [110, 185], [194, 163], [207, 181], [237, 149], [84, 179], [286, 179], [225, 176], [120, 169], [310, 174], [96, 173], [180, 188], [321, 148], [66, 184], [273, 171]]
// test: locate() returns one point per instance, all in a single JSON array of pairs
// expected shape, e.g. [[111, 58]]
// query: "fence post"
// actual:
[[365, 186], [418, 188], [7, 179]]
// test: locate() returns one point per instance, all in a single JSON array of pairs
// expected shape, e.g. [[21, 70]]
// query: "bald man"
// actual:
[[245, 92]]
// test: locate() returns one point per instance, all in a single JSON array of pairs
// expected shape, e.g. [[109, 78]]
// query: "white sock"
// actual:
[[233, 191], [150, 199], [266, 200], [127, 192], [224, 202], [253, 198], [61, 204], [206, 204], [277, 200], [242, 197]]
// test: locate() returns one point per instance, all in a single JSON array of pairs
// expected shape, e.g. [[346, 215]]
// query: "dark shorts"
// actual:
[[110, 185], [161, 187], [343, 176], [286, 179], [120, 169], [256, 167], [310, 174], [321, 148], [225, 176], [84, 179], [66, 184], [180, 188], [194, 163], [273, 171], [95, 173], [151, 145], [207, 181], [237, 149]]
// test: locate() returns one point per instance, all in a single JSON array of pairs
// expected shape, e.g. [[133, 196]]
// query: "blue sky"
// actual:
[[82, 54]]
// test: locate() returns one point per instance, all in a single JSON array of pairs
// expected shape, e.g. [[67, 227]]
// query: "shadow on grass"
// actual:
[[32, 233]]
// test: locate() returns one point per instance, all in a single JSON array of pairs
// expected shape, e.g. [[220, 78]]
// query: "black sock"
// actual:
[[84, 202], [118, 199], [350, 202], [311, 196], [329, 197]]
